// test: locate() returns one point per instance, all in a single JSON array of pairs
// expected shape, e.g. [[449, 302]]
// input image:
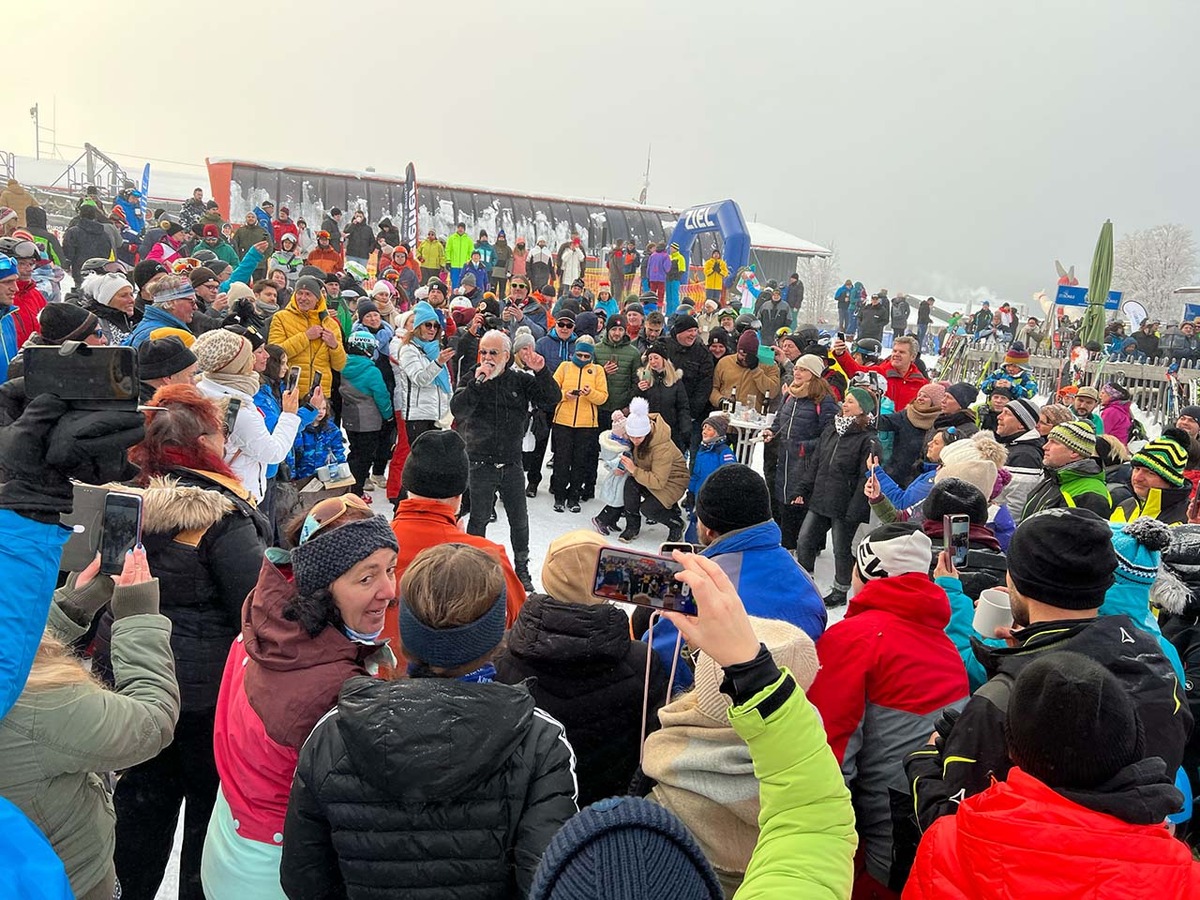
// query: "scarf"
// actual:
[[265, 309], [431, 350], [843, 423], [247, 384], [922, 415]]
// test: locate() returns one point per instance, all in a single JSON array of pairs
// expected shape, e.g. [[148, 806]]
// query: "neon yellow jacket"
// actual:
[[806, 839], [431, 254], [715, 273], [459, 248]]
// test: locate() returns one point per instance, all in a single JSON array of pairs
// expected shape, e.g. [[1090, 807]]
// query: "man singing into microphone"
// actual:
[[492, 412]]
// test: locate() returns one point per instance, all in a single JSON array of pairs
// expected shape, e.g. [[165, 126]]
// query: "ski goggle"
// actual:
[[186, 265], [23, 250], [328, 511]]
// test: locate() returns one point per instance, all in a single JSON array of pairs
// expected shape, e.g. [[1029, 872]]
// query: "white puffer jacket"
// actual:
[[417, 398]]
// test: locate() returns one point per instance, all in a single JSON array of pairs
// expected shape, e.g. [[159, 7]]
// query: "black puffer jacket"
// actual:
[[84, 241], [667, 397], [492, 416], [204, 543], [839, 467], [696, 363], [426, 788], [1177, 591], [797, 429], [360, 240], [590, 675]]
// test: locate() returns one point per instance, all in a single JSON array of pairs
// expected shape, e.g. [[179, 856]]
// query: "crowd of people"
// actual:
[[345, 700]]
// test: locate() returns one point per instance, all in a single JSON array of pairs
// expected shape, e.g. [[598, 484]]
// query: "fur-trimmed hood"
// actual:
[[170, 503]]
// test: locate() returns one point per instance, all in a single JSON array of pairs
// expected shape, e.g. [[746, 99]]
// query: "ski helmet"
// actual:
[[869, 348], [363, 342], [745, 322]]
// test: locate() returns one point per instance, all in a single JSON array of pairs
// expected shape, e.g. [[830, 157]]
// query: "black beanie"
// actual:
[[955, 497], [1063, 558], [683, 323], [364, 308], [147, 269], [661, 348], [733, 497], [437, 466], [1071, 723], [964, 393], [162, 358], [201, 275], [59, 322]]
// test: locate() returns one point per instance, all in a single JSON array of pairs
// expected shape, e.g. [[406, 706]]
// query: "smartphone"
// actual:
[[956, 531], [316, 383], [86, 521], [666, 547], [122, 530], [85, 373], [841, 336], [293, 379], [643, 579], [231, 413]]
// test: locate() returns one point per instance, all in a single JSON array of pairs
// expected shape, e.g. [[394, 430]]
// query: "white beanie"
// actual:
[[637, 424], [103, 286], [813, 363], [896, 549]]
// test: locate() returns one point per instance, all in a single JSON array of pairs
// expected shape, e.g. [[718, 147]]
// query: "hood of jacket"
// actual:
[[554, 631], [1078, 470], [400, 735], [763, 536], [170, 504], [913, 597], [35, 217], [1099, 638]]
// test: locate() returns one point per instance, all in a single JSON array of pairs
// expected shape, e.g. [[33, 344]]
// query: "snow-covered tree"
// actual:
[[821, 277], [1149, 265]]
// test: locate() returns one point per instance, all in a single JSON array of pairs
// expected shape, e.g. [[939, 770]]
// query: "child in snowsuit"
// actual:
[[1013, 374], [713, 453]]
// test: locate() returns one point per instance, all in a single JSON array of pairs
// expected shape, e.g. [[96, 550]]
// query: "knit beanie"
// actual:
[[437, 466], [1139, 546], [1079, 436], [1191, 412], [253, 335], [812, 363], [522, 339], [223, 352], [1064, 558], [931, 394], [163, 358], [956, 496], [312, 284], [59, 322], [982, 473], [1071, 723], [1165, 456], [364, 307], [569, 567], [332, 552], [200, 275], [587, 323], [660, 348], [748, 343], [964, 393], [866, 400], [103, 286], [683, 323], [637, 424], [788, 645], [147, 269], [239, 290], [1017, 355], [734, 496], [1117, 391], [1026, 411], [900, 548], [719, 424]]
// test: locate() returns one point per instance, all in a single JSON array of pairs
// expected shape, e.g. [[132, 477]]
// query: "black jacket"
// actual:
[[1024, 451], [773, 315], [492, 415], [872, 319], [426, 787], [1146, 343], [1180, 623], [899, 314], [84, 241], [908, 446], [589, 674], [796, 431], [335, 232], [697, 364], [975, 751], [839, 467], [360, 240], [205, 545], [671, 402], [963, 421]]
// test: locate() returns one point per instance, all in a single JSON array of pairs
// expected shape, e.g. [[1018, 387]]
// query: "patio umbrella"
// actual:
[[1098, 284]]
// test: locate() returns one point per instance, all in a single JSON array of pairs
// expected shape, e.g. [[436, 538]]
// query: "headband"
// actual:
[[184, 290], [450, 647]]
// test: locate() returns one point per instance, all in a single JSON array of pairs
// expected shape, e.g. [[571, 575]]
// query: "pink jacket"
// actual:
[[1117, 420]]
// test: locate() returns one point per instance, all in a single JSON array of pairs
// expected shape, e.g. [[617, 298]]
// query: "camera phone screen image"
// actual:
[[957, 531], [122, 530], [642, 579]]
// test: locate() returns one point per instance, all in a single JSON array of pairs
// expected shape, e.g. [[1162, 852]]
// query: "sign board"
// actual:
[[1076, 295], [1191, 311]]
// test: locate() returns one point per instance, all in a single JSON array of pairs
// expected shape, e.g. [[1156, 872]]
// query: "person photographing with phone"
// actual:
[[311, 337]]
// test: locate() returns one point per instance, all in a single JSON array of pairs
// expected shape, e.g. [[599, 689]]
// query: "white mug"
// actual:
[[993, 610]]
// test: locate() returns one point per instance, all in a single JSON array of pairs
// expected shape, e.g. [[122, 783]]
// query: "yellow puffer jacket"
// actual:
[[288, 327], [579, 411], [715, 273]]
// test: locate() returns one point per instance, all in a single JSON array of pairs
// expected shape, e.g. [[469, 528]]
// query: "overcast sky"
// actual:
[[940, 146]]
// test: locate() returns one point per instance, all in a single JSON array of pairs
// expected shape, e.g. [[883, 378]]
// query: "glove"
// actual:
[[945, 724], [90, 446], [33, 487], [752, 361]]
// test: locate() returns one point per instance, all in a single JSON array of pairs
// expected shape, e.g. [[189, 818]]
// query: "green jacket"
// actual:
[[621, 382], [806, 838], [1078, 484], [459, 248], [224, 251], [55, 741], [344, 316]]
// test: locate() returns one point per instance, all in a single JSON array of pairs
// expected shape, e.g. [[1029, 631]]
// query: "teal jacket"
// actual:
[[806, 839]]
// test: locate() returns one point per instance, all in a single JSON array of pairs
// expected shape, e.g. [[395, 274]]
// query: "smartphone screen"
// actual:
[[293, 379], [122, 530], [88, 373], [231, 414], [841, 336], [956, 535], [643, 579], [682, 546]]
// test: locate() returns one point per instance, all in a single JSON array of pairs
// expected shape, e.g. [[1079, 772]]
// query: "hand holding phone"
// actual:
[[292, 379], [956, 537], [644, 579], [720, 626], [122, 530]]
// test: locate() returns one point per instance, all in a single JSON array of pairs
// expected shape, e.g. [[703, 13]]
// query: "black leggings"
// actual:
[[364, 445], [576, 454]]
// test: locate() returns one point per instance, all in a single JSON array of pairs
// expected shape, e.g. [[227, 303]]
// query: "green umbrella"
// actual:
[[1098, 284]]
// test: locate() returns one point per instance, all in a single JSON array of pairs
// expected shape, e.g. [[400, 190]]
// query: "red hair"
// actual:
[[173, 435]]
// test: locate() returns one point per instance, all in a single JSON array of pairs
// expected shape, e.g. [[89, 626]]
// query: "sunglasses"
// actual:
[[520, 287], [329, 511], [566, 325], [491, 352]]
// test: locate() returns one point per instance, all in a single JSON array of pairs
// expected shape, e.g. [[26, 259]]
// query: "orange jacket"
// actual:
[[420, 524], [324, 258]]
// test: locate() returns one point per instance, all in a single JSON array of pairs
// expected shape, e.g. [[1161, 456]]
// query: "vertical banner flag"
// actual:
[[410, 206]]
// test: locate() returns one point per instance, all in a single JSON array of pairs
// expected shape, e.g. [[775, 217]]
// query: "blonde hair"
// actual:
[[451, 584], [55, 666]]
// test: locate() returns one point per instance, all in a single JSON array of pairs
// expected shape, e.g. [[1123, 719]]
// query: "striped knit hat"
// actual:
[[1139, 546], [1165, 456], [1077, 436], [1017, 355]]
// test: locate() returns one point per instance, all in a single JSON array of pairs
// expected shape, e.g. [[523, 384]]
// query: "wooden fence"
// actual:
[[1148, 384]]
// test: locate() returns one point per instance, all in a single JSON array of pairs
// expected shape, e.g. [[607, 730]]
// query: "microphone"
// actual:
[[481, 377]]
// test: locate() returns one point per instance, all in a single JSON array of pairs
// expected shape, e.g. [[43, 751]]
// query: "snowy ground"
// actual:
[[544, 526]]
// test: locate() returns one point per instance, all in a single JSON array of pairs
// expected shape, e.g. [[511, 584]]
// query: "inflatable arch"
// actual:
[[724, 216]]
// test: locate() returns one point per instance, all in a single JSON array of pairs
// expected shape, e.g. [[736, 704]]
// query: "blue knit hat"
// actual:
[[624, 848], [1139, 546]]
